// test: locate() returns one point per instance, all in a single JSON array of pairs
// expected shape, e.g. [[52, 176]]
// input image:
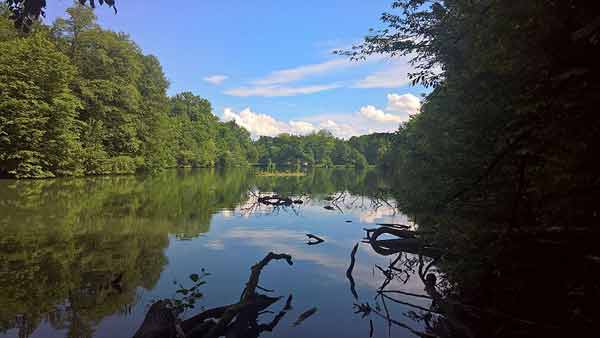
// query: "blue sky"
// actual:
[[268, 64]]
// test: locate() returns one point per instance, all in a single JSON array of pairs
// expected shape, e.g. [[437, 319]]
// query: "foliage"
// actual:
[[511, 121], [26, 12], [39, 134], [499, 167], [315, 149], [77, 99], [375, 147], [187, 296]]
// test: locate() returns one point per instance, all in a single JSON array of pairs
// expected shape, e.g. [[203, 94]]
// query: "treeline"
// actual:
[[76, 99], [316, 149]]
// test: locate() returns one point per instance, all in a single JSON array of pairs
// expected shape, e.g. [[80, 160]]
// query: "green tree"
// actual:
[[38, 130]]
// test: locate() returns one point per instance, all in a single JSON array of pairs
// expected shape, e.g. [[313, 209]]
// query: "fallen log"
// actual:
[[234, 320], [408, 241]]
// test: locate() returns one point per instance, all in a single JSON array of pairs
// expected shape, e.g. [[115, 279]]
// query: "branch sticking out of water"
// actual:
[[317, 239], [349, 271]]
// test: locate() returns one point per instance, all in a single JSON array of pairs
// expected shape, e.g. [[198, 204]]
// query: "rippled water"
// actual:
[[64, 243]]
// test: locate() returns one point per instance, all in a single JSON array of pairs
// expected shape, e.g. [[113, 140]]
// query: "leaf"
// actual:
[[194, 277]]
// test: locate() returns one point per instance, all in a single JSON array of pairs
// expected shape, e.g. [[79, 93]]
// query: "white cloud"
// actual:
[[393, 76], [216, 79], [368, 119], [270, 91], [405, 103], [340, 129], [257, 124], [372, 113], [301, 72], [303, 127]]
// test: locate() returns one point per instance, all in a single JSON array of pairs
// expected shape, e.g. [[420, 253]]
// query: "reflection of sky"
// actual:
[[318, 277], [237, 240]]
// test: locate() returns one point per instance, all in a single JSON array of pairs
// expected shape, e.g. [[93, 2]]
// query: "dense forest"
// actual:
[[316, 149], [77, 99], [500, 166]]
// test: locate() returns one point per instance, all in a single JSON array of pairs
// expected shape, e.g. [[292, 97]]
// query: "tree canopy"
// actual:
[[26, 12], [77, 99], [512, 112]]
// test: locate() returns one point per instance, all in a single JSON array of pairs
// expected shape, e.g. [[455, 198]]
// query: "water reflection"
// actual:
[[75, 251], [87, 258], [83, 257]]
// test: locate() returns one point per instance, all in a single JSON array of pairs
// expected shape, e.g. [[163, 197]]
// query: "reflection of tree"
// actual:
[[65, 242], [450, 309], [409, 260]]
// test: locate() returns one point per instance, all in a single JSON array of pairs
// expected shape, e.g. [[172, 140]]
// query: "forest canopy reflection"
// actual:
[[63, 242]]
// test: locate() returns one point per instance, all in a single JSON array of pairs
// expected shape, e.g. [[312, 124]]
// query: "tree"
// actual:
[[39, 133], [511, 115], [26, 12]]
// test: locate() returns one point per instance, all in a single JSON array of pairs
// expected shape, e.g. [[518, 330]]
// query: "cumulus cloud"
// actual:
[[216, 79], [259, 124], [368, 119], [302, 127], [405, 103], [372, 113], [256, 123], [301, 72], [402, 105], [395, 75], [270, 91]]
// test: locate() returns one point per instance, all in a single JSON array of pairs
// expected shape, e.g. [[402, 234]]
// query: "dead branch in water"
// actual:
[[234, 320], [317, 239], [349, 271]]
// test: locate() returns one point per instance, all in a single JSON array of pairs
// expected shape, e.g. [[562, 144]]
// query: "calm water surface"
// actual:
[[63, 242]]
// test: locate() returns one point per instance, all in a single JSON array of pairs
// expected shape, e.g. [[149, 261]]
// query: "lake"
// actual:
[[85, 257]]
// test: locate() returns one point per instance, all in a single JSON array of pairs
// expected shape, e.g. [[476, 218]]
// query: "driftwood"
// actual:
[[276, 200], [394, 225], [316, 239], [234, 320], [407, 241], [304, 315]]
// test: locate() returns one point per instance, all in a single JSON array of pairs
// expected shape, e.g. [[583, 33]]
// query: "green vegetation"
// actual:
[[500, 168], [76, 99], [511, 119], [319, 149], [65, 240]]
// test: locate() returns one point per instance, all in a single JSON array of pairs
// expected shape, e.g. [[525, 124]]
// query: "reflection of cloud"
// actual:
[[265, 234], [215, 244], [227, 213], [384, 215], [364, 273]]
